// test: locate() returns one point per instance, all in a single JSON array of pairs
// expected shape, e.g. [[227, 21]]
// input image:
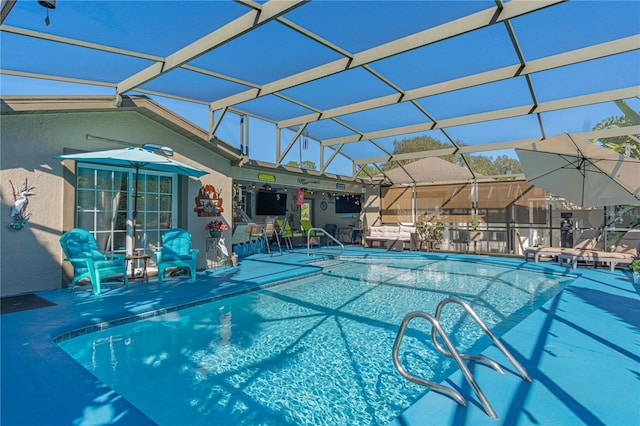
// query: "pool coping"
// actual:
[[40, 381]]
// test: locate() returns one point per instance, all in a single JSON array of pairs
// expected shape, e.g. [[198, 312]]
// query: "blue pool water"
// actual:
[[312, 351]]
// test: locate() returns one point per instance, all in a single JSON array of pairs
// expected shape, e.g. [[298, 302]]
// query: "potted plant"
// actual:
[[421, 229], [435, 233], [635, 270], [431, 232], [215, 228]]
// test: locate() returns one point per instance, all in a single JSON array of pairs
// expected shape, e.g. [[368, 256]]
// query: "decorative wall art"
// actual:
[[19, 213], [208, 202]]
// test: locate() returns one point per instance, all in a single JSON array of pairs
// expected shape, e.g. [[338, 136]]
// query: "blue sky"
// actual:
[[351, 25]]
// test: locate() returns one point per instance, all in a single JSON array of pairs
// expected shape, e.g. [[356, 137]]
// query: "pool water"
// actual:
[[314, 351]]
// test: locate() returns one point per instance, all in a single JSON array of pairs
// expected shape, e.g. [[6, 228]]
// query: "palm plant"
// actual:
[[620, 143]]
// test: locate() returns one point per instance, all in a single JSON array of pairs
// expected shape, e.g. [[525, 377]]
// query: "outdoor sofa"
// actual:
[[393, 236]]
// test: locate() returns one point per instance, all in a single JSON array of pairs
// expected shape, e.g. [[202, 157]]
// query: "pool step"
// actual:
[[331, 263]]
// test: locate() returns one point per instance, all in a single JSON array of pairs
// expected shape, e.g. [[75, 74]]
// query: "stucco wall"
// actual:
[[31, 259]]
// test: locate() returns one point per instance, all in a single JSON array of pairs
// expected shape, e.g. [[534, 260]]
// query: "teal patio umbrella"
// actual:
[[138, 158]]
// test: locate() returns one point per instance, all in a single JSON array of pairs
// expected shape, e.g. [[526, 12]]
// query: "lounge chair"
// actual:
[[306, 226], [81, 249], [241, 239], [332, 229], [586, 241], [286, 233], [269, 232], [351, 234], [261, 236], [626, 251], [256, 239], [176, 252]]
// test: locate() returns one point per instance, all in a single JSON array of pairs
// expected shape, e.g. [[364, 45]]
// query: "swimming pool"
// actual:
[[312, 351]]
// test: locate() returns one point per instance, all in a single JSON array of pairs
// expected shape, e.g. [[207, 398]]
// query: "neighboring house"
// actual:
[[427, 170]]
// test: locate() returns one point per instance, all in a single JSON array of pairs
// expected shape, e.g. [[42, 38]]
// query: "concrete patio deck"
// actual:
[[581, 348]]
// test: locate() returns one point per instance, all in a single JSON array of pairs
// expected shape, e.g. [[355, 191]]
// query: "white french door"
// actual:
[[104, 206]]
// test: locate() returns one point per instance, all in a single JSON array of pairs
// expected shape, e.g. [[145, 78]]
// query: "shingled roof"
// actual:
[[428, 170]]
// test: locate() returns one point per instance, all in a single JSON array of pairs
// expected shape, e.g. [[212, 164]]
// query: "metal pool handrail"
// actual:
[[453, 353], [324, 231], [483, 326]]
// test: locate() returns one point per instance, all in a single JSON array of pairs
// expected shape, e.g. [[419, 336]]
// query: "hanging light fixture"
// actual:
[[47, 4]]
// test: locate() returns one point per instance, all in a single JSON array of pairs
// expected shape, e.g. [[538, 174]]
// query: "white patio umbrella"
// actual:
[[582, 172], [138, 158]]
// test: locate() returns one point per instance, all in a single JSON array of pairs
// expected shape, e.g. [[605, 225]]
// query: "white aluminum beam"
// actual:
[[460, 26], [615, 47], [281, 155], [214, 124], [323, 165], [5, 9], [79, 43], [492, 115], [247, 22], [469, 149], [48, 77]]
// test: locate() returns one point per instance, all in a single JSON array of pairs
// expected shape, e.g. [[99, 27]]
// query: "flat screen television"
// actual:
[[348, 204], [270, 203]]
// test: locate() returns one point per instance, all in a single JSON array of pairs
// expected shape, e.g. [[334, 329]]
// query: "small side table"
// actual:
[[214, 255], [571, 261], [395, 245], [145, 262]]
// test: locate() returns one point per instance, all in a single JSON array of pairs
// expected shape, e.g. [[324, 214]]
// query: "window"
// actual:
[[105, 201], [155, 209], [102, 206]]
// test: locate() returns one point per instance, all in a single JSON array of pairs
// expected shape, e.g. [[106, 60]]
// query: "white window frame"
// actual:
[[148, 237]]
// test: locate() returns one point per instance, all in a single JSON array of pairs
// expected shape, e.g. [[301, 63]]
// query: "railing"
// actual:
[[424, 382], [483, 326], [324, 231], [453, 353]]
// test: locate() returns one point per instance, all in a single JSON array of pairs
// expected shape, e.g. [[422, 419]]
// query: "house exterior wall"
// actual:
[[31, 259]]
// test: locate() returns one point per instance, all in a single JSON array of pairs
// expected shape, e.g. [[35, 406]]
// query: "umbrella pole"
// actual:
[[474, 212], [135, 209]]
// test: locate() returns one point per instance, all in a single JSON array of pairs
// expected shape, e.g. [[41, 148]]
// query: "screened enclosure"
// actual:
[[504, 213]]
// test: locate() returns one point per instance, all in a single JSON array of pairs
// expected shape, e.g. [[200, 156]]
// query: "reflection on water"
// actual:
[[225, 326], [314, 351]]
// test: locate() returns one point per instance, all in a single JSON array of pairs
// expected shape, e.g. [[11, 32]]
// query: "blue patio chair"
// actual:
[[81, 249], [176, 252]]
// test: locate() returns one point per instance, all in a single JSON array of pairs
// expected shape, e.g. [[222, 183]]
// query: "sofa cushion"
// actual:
[[603, 256], [405, 232], [376, 231], [391, 231]]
